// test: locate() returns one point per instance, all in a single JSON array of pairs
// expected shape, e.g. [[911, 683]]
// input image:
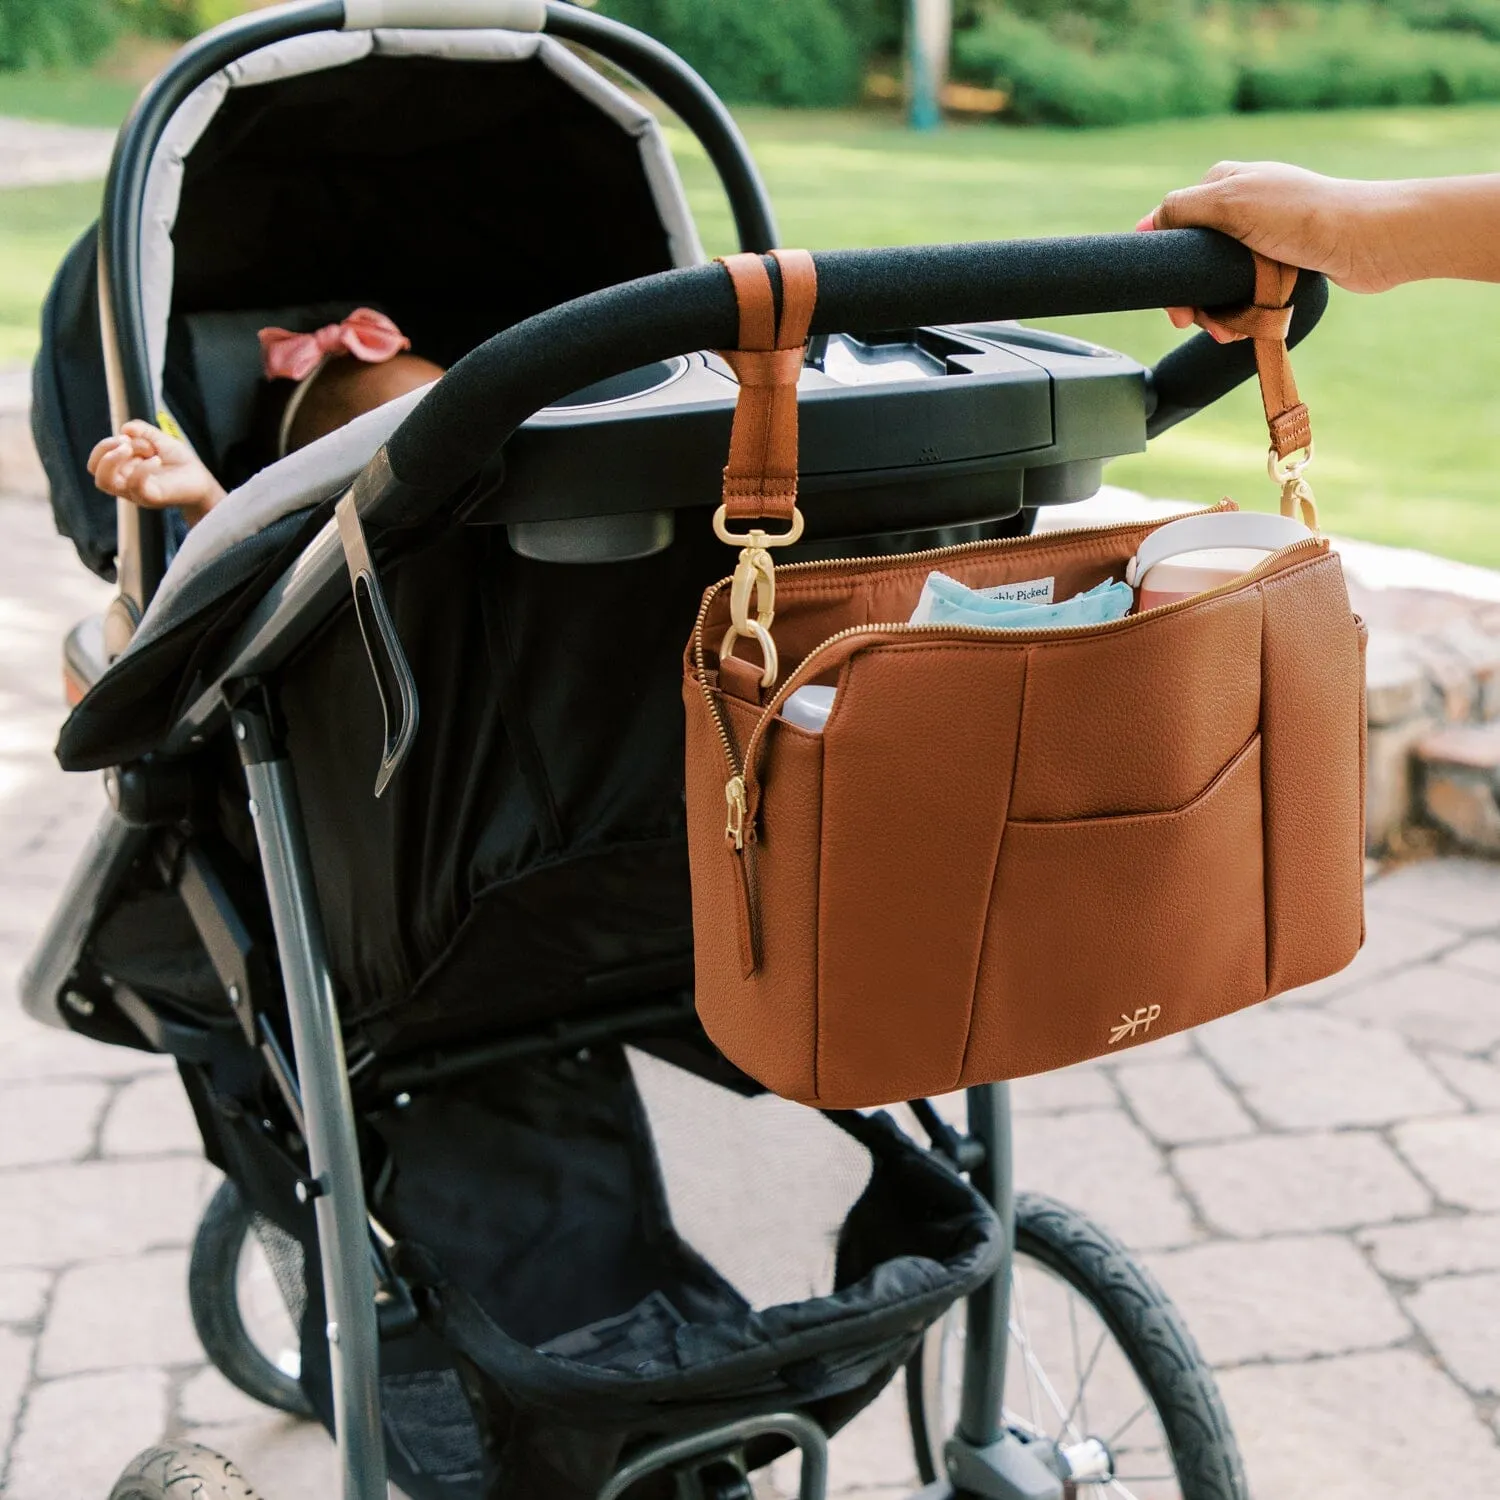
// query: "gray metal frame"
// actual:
[[337, 1184]]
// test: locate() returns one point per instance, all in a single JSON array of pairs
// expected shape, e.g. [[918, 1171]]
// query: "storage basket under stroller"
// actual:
[[608, 1248]]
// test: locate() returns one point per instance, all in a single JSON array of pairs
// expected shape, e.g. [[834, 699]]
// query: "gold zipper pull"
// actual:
[[734, 795]]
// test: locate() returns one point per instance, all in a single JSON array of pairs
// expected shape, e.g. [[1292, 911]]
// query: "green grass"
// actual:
[[75, 97], [1404, 388], [36, 227]]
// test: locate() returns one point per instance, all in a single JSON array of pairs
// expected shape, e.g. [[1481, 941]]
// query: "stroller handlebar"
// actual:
[[447, 15], [488, 394]]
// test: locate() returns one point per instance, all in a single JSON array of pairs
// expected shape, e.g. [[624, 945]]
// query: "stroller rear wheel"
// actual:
[[1100, 1364], [183, 1472], [240, 1310]]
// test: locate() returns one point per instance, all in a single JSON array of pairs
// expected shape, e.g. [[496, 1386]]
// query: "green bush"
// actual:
[[1049, 81], [798, 52], [53, 33], [1476, 17], [1348, 58]]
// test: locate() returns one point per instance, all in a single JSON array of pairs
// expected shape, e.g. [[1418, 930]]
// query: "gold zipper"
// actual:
[[734, 830], [741, 785], [746, 773]]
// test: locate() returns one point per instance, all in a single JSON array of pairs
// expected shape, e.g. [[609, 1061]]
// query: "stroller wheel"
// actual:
[[182, 1472], [240, 1306], [1099, 1364]]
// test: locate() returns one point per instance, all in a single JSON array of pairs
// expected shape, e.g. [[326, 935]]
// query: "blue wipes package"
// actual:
[[1026, 606]]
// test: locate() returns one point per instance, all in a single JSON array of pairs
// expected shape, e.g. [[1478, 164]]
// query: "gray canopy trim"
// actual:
[[311, 54], [301, 479]]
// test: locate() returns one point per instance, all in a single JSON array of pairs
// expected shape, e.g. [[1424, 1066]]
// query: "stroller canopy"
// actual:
[[402, 169]]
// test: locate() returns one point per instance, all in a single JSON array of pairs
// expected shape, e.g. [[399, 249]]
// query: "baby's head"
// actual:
[[346, 388], [339, 372]]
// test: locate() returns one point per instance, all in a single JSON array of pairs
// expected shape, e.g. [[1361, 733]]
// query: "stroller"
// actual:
[[535, 1238]]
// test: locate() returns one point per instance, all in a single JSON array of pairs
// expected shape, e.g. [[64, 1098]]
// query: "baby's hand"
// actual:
[[146, 466]]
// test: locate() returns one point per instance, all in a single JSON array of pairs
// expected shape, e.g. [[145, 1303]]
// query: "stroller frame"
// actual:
[[676, 312]]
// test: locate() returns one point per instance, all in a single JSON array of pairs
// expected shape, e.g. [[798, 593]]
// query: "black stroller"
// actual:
[[537, 1239]]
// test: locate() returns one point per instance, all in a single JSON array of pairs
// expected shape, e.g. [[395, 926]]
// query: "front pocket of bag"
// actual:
[[918, 760], [1106, 932]]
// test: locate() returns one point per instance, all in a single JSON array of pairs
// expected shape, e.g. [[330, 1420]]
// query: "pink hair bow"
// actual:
[[365, 333]]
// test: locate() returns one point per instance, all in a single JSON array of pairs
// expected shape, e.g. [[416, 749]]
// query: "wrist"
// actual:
[[195, 510]]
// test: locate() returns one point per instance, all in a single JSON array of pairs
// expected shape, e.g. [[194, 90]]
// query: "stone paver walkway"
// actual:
[[32, 153], [1317, 1182]]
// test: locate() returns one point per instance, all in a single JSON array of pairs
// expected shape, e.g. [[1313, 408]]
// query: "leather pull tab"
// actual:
[[760, 479], [1266, 322]]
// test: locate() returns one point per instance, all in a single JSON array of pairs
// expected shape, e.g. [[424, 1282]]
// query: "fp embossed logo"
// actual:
[[1130, 1025]]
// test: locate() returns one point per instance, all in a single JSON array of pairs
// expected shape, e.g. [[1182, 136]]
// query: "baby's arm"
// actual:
[[1366, 236], [146, 466]]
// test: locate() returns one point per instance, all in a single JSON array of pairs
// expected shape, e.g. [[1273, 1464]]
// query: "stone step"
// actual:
[[1459, 778]]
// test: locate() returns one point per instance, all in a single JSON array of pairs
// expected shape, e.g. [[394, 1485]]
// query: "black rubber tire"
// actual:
[[184, 1471], [1147, 1327], [213, 1297]]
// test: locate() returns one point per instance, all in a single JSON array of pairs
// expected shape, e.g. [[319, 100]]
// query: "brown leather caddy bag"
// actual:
[[1008, 850]]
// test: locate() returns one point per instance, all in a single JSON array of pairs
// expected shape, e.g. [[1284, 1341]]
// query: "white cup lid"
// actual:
[[1255, 529]]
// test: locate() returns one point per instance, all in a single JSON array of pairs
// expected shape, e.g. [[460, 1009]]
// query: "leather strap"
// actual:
[[760, 479], [1266, 321]]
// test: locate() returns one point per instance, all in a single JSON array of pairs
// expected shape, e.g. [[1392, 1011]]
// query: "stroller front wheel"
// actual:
[[181, 1471], [239, 1309], [1099, 1364]]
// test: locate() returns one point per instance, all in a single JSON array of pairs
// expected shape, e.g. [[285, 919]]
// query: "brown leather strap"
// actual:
[[760, 479], [1266, 321]]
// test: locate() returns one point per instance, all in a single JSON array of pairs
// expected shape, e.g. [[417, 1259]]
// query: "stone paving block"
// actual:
[[1393, 940], [1430, 1003], [1475, 1080], [1293, 1184], [77, 1434], [1382, 1426], [15, 1374], [30, 1051], [1182, 1101], [118, 1313], [1302, 1069], [1482, 956], [48, 1122], [1460, 1314], [208, 1400], [149, 1117], [1102, 1162], [1463, 894], [1459, 1157], [1083, 1087], [53, 1215], [23, 1294], [284, 1459], [872, 1454], [1435, 1247], [1280, 1299]]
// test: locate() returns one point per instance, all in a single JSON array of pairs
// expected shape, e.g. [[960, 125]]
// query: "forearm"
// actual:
[[1443, 227]]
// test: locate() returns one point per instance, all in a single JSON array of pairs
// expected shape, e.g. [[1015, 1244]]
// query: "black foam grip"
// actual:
[[488, 394]]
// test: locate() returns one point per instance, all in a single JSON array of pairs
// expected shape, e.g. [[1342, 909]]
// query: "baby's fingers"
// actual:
[[100, 449], [115, 468]]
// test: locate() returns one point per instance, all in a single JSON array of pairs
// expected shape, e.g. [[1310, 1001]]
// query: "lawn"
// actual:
[[1405, 388]]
